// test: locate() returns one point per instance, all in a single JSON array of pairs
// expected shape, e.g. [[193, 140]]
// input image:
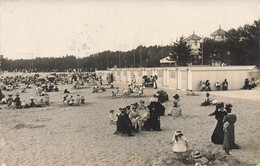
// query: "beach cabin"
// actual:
[[189, 77]]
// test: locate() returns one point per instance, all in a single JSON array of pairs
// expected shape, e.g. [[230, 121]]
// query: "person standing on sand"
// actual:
[[218, 134], [229, 130], [179, 142]]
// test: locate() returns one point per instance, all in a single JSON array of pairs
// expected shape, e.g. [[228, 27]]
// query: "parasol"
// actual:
[[159, 108]]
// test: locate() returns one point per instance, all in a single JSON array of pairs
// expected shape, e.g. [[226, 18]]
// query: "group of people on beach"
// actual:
[[137, 117], [17, 103], [70, 101], [224, 132], [205, 86], [249, 84]]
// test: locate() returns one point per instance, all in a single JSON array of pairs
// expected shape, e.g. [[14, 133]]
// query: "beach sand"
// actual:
[[81, 135]]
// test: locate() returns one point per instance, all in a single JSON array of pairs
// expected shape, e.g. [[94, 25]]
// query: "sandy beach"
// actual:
[[80, 135]]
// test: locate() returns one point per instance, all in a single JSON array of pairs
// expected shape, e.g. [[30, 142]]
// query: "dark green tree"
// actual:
[[181, 52]]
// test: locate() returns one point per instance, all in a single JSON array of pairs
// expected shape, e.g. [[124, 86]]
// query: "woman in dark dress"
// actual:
[[218, 134], [229, 130]]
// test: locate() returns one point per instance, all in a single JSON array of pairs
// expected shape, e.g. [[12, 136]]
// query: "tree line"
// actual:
[[241, 47]]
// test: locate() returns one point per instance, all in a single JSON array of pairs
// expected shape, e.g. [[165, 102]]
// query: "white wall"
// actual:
[[190, 76]]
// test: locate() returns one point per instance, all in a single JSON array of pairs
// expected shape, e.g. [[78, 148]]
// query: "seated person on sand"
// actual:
[[125, 92], [4, 101], [17, 102], [146, 116], [207, 86], [82, 100], [198, 158], [66, 91], [47, 100], [10, 100], [123, 123], [25, 104], [40, 103], [190, 93], [136, 89], [225, 85], [78, 100], [32, 103], [252, 83], [23, 90], [129, 89], [56, 89], [141, 91], [141, 105], [135, 118], [208, 101], [217, 85], [202, 86], [65, 98], [38, 91], [71, 102], [113, 94], [43, 93], [175, 110], [112, 117]]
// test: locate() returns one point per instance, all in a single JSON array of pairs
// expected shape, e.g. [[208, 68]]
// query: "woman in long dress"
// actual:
[[175, 110], [229, 131], [218, 134]]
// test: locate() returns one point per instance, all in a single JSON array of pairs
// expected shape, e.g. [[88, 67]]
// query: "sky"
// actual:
[[44, 28]]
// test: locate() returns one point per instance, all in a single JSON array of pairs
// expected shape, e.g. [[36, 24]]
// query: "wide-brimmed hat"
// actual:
[[122, 109], [176, 96], [229, 105], [207, 94], [197, 155], [220, 105], [177, 132]]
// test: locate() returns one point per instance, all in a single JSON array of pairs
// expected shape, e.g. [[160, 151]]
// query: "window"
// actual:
[[160, 73], [172, 75], [195, 42]]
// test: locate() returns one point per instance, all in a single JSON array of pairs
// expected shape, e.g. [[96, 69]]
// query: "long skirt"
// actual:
[[175, 111], [218, 134], [229, 138]]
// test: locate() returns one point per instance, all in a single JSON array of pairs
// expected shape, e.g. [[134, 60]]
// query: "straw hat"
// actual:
[[197, 155]]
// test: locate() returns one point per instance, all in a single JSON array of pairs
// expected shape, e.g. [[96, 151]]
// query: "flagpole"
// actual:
[[140, 57], [134, 57], [119, 59], [107, 60], [162, 49]]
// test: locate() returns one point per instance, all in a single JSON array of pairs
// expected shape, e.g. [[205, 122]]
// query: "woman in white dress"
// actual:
[[175, 110]]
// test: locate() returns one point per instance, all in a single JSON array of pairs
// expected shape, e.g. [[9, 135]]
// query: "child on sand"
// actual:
[[111, 117], [180, 143], [82, 100]]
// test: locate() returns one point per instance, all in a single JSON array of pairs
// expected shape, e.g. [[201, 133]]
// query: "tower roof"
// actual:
[[193, 37], [219, 32]]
